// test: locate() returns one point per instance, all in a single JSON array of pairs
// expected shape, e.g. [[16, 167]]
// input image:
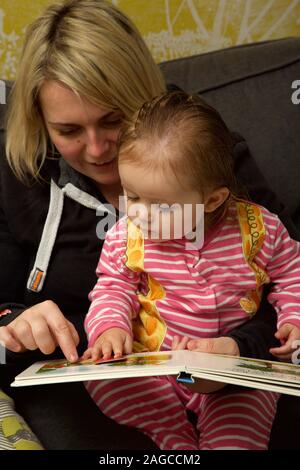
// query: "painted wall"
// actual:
[[171, 28]]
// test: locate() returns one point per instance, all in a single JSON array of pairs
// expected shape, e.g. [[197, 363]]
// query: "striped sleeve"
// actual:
[[284, 271], [114, 298]]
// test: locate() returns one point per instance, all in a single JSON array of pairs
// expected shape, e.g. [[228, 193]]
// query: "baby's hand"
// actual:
[[289, 336], [179, 342], [113, 342]]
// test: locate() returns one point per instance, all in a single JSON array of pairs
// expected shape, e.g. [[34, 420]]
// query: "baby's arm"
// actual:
[[114, 301]]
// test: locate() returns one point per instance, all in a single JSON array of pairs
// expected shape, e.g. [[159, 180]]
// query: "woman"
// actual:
[[84, 69]]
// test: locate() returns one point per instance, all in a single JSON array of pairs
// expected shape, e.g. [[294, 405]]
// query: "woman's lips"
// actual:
[[101, 164]]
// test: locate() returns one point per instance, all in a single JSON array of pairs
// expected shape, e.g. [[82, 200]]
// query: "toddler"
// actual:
[[189, 260]]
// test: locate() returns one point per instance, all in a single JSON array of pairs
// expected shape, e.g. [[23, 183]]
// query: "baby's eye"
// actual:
[[132, 198]]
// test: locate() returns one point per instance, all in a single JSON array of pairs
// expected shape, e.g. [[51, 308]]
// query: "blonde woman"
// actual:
[[84, 69]]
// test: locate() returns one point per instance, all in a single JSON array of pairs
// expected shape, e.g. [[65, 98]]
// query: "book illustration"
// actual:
[[130, 360], [54, 366], [266, 367], [63, 364], [143, 360]]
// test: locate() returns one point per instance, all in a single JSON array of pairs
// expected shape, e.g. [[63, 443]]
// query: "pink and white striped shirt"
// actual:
[[203, 287]]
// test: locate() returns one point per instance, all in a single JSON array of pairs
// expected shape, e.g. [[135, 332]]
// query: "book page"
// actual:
[[131, 365], [267, 371]]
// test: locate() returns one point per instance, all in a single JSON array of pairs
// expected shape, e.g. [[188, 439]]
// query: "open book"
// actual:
[[186, 365]]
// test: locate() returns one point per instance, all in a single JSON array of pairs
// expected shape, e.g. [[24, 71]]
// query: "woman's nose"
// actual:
[[97, 143]]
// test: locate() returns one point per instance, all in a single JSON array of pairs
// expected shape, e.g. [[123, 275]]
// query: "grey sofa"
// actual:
[[251, 86]]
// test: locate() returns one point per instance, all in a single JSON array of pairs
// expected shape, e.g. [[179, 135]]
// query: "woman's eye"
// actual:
[[68, 132], [132, 198], [116, 122]]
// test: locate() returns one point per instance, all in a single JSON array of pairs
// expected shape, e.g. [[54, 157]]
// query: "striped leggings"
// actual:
[[233, 418]]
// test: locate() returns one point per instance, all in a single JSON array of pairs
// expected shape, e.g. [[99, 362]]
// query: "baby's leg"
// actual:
[[235, 418], [149, 404]]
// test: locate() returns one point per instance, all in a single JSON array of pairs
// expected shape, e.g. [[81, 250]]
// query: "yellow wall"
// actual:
[[171, 28]]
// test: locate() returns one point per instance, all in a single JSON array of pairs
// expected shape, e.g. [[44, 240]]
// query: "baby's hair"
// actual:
[[189, 138]]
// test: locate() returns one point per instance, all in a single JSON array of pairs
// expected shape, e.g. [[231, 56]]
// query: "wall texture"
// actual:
[[171, 28]]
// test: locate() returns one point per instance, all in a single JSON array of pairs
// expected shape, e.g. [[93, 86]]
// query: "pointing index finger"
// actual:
[[63, 335]]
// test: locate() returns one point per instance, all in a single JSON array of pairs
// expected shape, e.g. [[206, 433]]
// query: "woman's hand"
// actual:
[[221, 345], [113, 342], [42, 327]]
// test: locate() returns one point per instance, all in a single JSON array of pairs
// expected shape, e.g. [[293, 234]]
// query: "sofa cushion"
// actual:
[[251, 86]]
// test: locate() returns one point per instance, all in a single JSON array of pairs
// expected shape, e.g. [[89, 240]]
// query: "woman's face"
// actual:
[[84, 134]]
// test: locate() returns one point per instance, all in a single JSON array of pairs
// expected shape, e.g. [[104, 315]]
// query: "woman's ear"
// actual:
[[215, 199]]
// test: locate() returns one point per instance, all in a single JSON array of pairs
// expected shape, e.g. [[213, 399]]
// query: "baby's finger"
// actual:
[[183, 343], [87, 354], [96, 352], [175, 342], [106, 349], [128, 345], [117, 347]]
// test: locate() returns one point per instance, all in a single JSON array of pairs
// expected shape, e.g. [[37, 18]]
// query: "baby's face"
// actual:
[[157, 204]]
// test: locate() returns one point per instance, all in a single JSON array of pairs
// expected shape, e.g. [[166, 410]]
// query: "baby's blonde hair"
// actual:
[[182, 134], [90, 47]]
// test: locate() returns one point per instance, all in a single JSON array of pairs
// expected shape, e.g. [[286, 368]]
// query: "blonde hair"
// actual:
[[92, 48], [192, 138]]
